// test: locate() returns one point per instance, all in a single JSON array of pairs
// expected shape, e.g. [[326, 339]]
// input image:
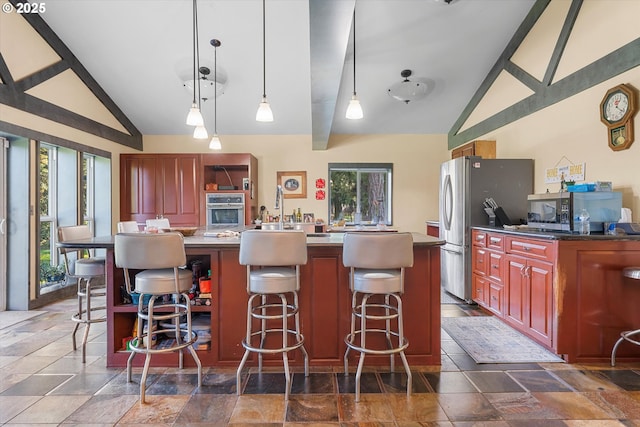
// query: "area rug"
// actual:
[[488, 340]]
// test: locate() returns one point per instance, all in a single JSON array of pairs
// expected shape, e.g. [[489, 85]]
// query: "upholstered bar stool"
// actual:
[[377, 263], [273, 260], [631, 273], [160, 256], [89, 274]]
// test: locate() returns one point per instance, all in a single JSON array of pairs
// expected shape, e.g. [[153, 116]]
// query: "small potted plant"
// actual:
[[51, 273]]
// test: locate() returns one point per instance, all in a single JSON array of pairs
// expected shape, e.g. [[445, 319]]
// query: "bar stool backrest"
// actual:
[[273, 248], [73, 232], [377, 250], [143, 251], [128, 227]]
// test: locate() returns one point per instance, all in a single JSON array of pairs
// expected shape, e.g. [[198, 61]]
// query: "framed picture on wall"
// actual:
[[294, 184]]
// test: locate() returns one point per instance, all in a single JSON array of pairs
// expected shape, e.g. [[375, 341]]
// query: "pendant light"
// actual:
[[215, 143], [194, 118], [264, 113], [354, 110]]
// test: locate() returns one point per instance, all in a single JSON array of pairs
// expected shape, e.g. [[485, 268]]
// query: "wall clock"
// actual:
[[616, 112]]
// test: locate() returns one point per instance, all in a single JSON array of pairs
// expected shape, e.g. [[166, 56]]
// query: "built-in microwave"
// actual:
[[560, 211], [225, 209]]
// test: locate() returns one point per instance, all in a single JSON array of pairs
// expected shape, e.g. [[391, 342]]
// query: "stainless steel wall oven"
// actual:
[[225, 209]]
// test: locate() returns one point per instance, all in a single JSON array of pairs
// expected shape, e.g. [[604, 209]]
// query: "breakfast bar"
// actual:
[[325, 302]]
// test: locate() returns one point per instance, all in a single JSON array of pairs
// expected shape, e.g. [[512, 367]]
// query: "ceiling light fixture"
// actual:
[[194, 118], [407, 90], [264, 113], [215, 143], [354, 110]]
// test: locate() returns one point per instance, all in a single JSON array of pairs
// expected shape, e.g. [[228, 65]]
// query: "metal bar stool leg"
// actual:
[[363, 343], [387, 312], [285, 356], [299, 336], [352, 333], [401, 342]]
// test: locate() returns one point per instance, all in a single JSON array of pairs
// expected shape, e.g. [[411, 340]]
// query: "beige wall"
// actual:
[[416, 165], [572, 130]]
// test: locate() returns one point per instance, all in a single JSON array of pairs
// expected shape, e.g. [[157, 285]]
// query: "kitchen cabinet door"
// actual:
[[138, 180], [517, 289], [540, 277], [178, 196], [529, 305], [153, 185]]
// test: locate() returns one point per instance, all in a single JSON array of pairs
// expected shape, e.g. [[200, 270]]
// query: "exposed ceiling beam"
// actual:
[[330, 27]]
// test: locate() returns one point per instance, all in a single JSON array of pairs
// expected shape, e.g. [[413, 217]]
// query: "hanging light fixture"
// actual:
[[194, 118], [354, 110], [408, 90], [264, 113], [215, 143]]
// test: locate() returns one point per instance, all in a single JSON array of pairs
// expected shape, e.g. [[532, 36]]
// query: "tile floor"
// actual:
[[44, 383]]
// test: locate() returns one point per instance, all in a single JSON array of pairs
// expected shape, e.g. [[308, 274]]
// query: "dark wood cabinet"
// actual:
[[568, 293], [513, 278], [223, 172], [174, 185], [529, 298], [484, 149], [325, 307], [153, 185], [488, 270]]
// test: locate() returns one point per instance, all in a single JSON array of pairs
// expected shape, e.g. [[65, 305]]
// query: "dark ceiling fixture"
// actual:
[[407, 90]]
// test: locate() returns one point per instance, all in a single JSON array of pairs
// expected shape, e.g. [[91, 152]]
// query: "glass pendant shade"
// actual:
[[264, 113], [215, 143], [200, 132], [354, 110], [194, 118]]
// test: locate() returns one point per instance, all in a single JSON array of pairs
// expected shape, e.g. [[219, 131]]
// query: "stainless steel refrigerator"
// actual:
[[465, 183]]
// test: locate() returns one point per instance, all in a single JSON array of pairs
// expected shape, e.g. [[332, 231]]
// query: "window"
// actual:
[[360, 193], [50, 272]]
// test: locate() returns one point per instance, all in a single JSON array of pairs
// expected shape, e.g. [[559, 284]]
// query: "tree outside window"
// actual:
[[360, 193]]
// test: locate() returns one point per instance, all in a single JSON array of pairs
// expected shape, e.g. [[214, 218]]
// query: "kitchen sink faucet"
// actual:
[[280, 205]]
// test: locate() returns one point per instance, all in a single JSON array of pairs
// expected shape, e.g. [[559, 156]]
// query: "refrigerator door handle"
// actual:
[[447, 203]]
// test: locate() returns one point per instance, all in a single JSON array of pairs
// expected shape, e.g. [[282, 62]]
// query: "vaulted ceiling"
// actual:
[[140, 53]]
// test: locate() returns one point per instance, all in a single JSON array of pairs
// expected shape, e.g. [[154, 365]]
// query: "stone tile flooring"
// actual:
[[44, 383]]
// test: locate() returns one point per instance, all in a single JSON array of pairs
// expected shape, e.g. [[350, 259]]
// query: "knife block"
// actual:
[[491, 215]]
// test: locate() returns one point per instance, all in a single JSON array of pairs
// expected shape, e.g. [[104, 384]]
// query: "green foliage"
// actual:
[[51, 273]]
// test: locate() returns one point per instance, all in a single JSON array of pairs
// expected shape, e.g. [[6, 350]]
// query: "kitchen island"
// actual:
[[325, 302], [565, 291]]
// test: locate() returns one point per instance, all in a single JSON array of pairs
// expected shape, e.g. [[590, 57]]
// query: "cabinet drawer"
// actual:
[[531, 248], [495, 300], [495, 269], [479, 238], [480, 290], [495, 241], [480, 261]]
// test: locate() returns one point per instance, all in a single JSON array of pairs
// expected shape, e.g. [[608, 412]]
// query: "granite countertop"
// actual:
[[232, 238], [551, 235]]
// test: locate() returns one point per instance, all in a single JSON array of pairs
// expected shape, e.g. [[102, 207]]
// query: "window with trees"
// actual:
[[360, 193]]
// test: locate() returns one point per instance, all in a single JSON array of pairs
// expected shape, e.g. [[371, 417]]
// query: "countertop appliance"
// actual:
[[465, 183], [560, 211], [225, 209]]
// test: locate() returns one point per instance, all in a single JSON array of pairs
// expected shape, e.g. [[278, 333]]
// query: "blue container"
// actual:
[[581, 188], [135, 298]]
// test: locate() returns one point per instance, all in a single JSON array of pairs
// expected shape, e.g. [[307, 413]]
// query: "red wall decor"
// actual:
[[319, 194], [320, 183]]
